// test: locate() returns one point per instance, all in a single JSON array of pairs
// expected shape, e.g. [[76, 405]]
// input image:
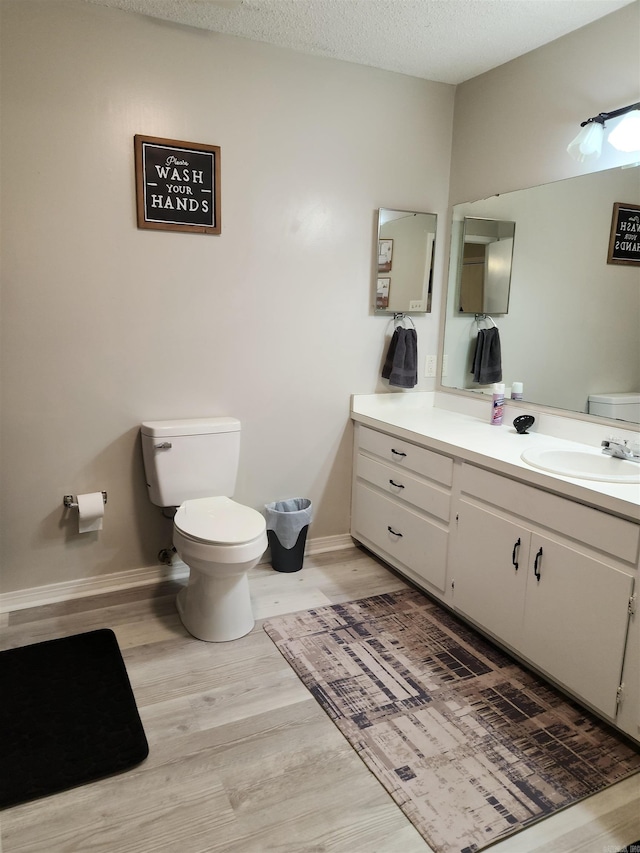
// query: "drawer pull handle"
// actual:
[[536, 565], [516, 553], [397, 485], [398, 452], [391, 530]]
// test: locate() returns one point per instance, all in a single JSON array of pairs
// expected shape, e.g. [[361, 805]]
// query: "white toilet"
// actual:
[[192, 465], [617, 405]]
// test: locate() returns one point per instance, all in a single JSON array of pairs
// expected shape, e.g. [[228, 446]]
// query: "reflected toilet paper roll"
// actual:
[[90, 512]]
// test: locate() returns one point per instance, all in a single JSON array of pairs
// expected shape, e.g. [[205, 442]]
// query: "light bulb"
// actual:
[[626, 136], [588, 143]]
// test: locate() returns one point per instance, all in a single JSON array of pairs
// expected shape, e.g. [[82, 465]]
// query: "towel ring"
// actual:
[[400, 317], [480, 317]]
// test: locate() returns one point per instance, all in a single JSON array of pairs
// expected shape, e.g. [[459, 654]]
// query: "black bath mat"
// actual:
[[67, 716]]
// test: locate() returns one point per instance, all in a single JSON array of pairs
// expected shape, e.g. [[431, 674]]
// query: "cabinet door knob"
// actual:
[[398, 452], [397, 485], [536, 565], [399, 535], [516, 553]]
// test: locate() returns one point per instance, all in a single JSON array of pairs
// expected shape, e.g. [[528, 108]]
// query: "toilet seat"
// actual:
[[219, 521]]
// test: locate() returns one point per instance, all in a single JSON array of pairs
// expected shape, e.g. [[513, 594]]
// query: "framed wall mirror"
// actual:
[[403, 276], [484, 266], [572, 331]]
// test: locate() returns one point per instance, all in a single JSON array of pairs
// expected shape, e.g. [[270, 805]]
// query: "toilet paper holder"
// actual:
[[71, 503]]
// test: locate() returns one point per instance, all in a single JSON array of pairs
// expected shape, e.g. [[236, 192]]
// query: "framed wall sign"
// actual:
[[177, 185], [624, 242]]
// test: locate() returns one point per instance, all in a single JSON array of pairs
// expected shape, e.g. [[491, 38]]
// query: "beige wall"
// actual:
[[513, 124], [105, 325]]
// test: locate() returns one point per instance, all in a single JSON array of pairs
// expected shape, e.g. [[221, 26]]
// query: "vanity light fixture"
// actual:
[[625, 137]]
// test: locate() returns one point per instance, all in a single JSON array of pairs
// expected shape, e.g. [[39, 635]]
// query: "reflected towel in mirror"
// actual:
[[401, 363], [487, 358]]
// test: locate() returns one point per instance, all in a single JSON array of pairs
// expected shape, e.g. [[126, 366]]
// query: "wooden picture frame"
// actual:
[[385, 255], [177, 185], [624, 241]]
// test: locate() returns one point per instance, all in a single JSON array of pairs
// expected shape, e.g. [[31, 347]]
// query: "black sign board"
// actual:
[[177, 185], [624, 243]]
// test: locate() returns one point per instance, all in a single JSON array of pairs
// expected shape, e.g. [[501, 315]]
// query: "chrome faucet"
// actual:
[[620, 449]]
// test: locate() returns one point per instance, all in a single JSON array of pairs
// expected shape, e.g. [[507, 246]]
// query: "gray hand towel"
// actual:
[[487, 359], [401, 363], [477, 355], [391, 352]]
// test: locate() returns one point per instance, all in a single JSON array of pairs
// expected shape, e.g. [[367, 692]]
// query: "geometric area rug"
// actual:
[[68, 716], [472, 746]]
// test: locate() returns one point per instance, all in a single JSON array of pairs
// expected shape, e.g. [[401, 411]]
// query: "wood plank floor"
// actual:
[[242, 759]]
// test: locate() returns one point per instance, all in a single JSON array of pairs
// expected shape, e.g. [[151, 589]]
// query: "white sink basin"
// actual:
[[583, 464]]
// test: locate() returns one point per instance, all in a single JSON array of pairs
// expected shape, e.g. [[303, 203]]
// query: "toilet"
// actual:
[[617, 405], [191, 465]]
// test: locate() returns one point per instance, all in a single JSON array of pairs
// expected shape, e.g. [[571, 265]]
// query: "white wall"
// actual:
[[105, 325]]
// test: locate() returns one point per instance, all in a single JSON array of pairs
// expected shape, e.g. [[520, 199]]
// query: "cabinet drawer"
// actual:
[[607, 533], [407, 455], [401, 484], [397, 531]]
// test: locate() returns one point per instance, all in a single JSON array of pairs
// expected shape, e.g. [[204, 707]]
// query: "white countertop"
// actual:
[[415, 417]]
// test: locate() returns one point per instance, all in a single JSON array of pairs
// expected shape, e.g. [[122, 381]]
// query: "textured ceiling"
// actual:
[[444, 40]]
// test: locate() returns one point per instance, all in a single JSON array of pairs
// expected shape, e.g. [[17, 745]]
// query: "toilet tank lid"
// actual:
[[616, 398], [190, 426]]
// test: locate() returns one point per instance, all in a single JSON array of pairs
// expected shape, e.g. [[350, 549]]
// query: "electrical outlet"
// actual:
[[430, 366], [445, 364]]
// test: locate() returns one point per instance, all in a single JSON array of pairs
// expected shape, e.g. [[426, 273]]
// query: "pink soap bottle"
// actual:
[[497, 403]]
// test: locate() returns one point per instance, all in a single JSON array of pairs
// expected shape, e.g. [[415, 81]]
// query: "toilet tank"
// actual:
[[191, 458], [620, 405]]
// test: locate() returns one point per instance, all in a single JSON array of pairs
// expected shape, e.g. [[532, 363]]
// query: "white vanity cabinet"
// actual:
[[547, 566], [550, 578], [402, 504]]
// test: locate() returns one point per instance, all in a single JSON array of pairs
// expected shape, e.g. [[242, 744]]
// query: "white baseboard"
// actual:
[[64, 591]]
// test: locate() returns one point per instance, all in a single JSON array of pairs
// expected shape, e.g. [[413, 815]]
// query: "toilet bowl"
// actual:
[[220, 540], [192, 464]]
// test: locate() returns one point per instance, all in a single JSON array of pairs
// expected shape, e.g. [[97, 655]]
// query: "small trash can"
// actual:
[[287, 525]]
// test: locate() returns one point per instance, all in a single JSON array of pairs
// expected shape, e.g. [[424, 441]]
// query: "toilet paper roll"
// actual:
[[90, 512]]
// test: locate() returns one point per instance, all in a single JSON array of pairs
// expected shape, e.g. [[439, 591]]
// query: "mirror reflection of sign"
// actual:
[[624, 242]]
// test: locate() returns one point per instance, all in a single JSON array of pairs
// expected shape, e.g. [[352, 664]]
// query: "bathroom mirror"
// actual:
[[484, 266], [573, 327], [404, 261]]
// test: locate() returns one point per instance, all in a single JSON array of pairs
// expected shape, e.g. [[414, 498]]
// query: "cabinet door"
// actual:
[[490, 572], [576, 620]]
